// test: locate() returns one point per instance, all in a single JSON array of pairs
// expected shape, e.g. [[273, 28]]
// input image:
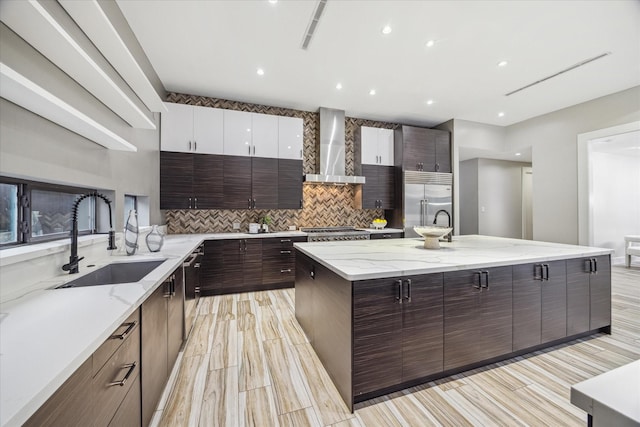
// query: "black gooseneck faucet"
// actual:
[[435, 219], [72, 266]]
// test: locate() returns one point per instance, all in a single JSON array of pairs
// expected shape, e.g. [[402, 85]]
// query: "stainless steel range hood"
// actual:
[[330, 151]]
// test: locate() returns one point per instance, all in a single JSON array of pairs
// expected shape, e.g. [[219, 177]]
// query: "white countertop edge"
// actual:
[[581, 251], [605, 388], [382, 230]]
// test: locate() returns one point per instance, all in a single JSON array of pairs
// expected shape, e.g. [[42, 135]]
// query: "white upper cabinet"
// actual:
[[237, 133], [191, 129], [376, 146], [176, 133], [207, 130], [290, 130], [265, 135]]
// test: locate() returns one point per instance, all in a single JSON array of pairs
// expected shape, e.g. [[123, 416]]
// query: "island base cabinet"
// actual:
[[600, 293], [577, 296], [553, 322], [397, 329], [477, 315]]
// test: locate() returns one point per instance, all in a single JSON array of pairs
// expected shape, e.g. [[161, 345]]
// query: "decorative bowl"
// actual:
[[379, 225], [432, 235]]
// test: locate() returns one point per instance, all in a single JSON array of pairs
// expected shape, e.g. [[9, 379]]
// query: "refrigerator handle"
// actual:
[[423, 214]]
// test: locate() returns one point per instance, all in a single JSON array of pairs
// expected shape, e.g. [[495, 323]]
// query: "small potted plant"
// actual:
[[264, 224]]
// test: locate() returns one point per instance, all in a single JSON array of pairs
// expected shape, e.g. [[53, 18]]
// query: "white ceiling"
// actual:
[[213, 48]]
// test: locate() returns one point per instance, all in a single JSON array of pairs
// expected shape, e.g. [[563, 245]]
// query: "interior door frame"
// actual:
[[584, 221]]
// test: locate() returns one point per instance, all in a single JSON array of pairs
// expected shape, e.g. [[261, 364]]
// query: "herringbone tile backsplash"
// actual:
[[324, 205]]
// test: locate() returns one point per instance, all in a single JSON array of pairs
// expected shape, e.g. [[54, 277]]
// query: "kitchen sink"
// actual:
[[111, 274]]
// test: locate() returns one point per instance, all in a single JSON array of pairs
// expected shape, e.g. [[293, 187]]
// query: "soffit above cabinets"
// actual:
[[20, 90], [50, 30]]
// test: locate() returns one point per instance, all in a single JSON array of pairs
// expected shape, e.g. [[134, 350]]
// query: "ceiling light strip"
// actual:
[[573, 67], [313, 24]]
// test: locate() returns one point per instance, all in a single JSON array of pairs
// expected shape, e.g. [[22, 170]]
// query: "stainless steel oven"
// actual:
[[192, 288], [331, 234]]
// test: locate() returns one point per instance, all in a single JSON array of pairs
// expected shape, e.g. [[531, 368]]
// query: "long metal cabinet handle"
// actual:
[[121, 383], [286, 270], [399, 297], [486, 279], [285, 240], [189, 145], [195, 203], [195, 145], [408, 290], [189, 202], [254, 150], [478, 274], [535, 272], [249, 203], [285, 252], [546, 272], [130, 327], [595, 265]]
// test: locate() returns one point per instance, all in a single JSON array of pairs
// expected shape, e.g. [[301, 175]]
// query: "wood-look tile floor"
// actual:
[[248, 363]]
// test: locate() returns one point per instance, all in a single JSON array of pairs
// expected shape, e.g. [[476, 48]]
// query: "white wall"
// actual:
[[553, 139], [469, 197], [614, 199]]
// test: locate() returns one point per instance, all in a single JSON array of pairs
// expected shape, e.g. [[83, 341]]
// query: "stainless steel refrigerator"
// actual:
[[424, 194]]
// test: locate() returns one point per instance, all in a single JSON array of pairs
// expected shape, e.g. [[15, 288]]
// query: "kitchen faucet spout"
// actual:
[[435, 219], [72, 266]]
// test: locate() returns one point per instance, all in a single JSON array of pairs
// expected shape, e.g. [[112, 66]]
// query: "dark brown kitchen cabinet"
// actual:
[[242, 263], [278, 261], [191, 181], [211, 268], [161, 338], [588, 294], [71, 405], [422, 149], [539, 303], [250, 182], [378, 192], [289, 184], [477, 315], [397, 331]]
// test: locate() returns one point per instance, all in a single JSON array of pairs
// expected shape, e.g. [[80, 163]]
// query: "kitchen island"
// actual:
[[386, 315]]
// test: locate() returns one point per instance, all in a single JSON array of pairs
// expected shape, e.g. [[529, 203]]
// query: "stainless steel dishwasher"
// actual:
[[192, 288]]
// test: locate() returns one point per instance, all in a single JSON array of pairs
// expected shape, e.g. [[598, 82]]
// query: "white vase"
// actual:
[[154, 239], [131, 233]]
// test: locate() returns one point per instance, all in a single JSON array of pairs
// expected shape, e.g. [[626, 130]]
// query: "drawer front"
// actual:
[[130, 412], [116, 377], [114, 342]]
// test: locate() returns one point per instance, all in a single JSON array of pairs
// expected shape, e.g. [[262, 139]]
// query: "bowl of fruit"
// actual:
[[379, 223]]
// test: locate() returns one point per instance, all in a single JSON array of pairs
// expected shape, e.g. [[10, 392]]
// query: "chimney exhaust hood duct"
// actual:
[[330, 151]]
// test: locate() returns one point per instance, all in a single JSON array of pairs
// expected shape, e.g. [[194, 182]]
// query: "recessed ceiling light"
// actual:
[[372, 92], [339, 86], [500, 114], [273, 1], [518, 154], [502, 64], [430, 101], [386, 29], [260, 72], [430, 43]]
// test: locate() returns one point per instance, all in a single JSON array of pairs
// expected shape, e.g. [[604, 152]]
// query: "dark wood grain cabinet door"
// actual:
[[233, 262], [176, 177], [208, 188], [462, 318], [264, 183], [497, 313], [212, 267], [443, 151], [477, 315], [418, 149], [154, 365], [237, 182], [386, 185], [377, 334], [554, 303], [289, 184], [578, 304], [527, 305], [252, 264], [371, 191], [422, 326], [600, 293]]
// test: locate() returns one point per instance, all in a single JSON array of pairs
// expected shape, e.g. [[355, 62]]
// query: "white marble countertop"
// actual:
[[612, 398], [47, 334], [375, 259]]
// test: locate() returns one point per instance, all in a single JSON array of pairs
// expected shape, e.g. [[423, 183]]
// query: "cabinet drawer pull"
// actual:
[[545, 270], [594, 263], [285, 270], [195, 145], [478, 274], [486, 279], [195, 203], [285, 240], [539, 276], [130, 327], [189, 145], [285, 252], [121, 383], [408, 290], [399, 297]]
